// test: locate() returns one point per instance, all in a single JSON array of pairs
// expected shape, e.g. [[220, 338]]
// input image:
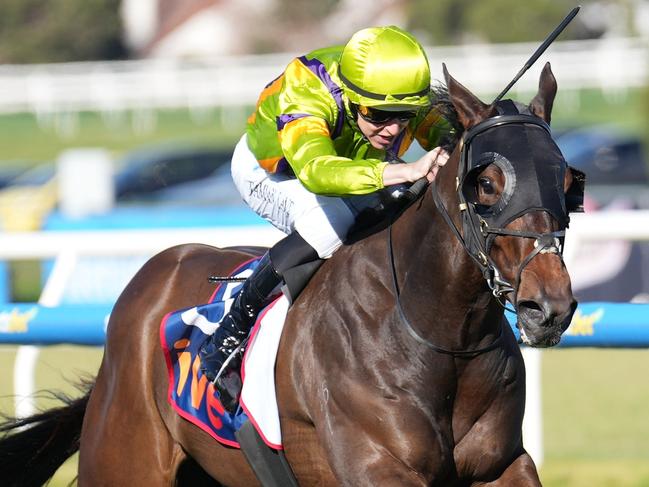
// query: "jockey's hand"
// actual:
[[427, 166], [431, 162]]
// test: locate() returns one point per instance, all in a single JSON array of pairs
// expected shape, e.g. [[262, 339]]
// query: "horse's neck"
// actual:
[[442, 288]]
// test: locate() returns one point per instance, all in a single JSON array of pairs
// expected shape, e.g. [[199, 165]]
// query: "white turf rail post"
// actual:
[[533, 420], [27, 355], [24, 380]]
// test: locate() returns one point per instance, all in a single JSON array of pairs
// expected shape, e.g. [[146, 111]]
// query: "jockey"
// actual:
[[323, 142]]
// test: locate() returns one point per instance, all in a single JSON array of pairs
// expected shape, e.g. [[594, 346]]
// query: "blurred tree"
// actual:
[[506, 21], [447, 22], [438, 23], [291, 23], [305, 10], [34, 31]]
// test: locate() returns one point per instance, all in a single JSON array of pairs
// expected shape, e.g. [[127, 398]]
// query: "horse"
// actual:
[[396, 366]]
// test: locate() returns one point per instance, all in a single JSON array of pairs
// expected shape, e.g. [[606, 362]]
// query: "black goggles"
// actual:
[[378, 117]]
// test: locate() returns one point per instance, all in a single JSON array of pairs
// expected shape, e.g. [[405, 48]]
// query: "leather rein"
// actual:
[[411, 329], [475, 245]]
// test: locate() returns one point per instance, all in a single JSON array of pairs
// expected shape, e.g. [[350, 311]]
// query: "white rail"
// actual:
[[598, 226], [632, 225], [50, 244], [608, 64]]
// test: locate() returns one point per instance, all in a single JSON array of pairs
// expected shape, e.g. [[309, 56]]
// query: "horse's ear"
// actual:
[[541, 104], [470, 109]]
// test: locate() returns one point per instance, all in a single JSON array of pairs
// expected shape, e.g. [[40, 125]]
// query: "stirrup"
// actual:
[[227, 361]]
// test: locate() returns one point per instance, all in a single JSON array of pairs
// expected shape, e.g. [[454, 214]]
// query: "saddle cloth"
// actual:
[[194, 397]]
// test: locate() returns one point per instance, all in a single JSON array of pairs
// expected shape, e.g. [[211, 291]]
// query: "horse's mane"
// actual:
[[442, 104]]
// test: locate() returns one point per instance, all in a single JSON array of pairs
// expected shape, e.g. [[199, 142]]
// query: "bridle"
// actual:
[[479, 230]]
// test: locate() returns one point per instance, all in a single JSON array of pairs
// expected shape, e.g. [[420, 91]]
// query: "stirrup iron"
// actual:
[[227, 361]]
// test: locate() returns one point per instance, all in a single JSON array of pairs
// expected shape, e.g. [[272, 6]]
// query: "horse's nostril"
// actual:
[[531, 310], [547, 312]]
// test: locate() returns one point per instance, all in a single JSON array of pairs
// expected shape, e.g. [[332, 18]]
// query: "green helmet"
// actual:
[[385, 68]]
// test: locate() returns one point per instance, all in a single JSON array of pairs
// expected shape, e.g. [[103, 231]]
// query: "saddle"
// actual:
[[368, 222]]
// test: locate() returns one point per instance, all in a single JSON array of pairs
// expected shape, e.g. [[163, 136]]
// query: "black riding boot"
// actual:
[[217, 351]]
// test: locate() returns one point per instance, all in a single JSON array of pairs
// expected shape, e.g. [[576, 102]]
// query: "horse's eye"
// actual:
[[486, 186]]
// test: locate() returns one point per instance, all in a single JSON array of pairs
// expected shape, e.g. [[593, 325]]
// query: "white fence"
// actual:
[[608, 64]]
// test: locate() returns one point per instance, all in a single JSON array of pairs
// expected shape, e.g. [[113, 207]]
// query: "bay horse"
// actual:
[[395, 368]]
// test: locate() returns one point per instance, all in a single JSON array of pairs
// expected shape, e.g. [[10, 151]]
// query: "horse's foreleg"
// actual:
[[521, 472], [358, 466], [360, 456]]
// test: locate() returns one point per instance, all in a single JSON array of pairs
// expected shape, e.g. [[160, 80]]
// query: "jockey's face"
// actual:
[[383, 135]]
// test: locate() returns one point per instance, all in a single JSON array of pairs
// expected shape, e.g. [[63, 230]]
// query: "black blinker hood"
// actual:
[[521, 146]]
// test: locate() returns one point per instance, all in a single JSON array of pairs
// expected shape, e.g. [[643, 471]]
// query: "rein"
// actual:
[[411, 330], [499, 287], [478, 234], [478, 231]]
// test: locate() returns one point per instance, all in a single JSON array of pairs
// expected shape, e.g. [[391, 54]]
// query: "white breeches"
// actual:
[[323, 221]]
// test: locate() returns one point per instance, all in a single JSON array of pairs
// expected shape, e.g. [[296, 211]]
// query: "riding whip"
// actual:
[[546, 43]]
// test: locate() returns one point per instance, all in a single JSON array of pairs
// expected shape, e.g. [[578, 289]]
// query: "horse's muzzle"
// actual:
[[541, 323]]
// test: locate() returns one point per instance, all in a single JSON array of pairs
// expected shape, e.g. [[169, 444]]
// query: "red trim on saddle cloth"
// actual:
[[184, 414], [199, 402]]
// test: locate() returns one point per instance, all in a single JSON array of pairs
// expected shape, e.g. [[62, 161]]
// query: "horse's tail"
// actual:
[[33, 448]]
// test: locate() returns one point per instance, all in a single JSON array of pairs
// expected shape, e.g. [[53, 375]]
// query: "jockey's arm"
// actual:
[[311, 154], [307, 146]]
